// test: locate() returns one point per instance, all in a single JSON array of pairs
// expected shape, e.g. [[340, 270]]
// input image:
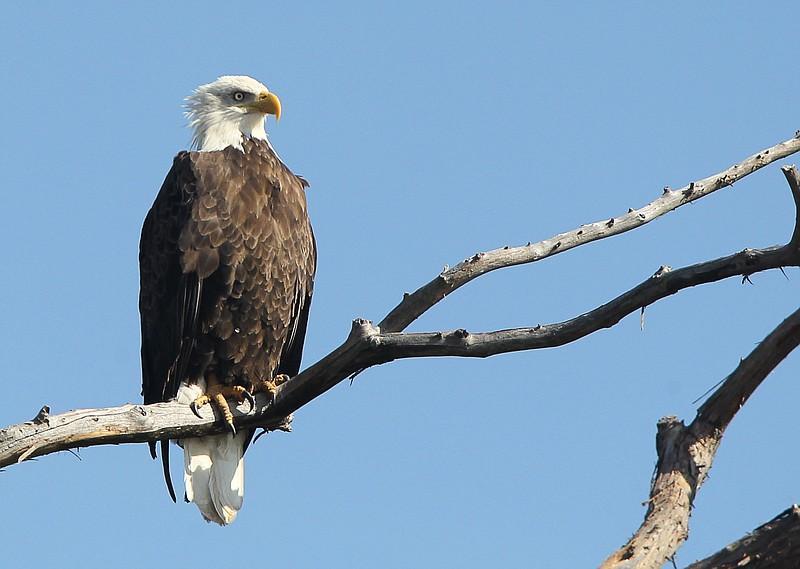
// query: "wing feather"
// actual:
[[167, 340]]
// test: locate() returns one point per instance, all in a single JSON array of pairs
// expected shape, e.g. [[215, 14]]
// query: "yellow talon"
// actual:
[[216, 394], [270, 386]]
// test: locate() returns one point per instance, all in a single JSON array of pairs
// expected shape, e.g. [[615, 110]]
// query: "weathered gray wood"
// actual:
[[129, 423], [774, 545]]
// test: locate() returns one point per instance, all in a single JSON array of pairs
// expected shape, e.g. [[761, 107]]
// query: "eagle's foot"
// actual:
[[270, 386], [216, 395]]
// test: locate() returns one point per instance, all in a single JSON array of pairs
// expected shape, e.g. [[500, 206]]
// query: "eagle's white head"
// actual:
[[222, 113]]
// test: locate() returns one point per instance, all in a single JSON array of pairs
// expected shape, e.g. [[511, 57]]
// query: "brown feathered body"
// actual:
[[227, 261]]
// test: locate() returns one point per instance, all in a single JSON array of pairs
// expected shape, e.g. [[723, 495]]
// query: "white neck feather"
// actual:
[[219, 128]]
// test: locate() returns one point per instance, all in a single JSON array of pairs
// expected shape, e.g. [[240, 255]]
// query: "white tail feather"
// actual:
[[227, 476], [213, 473]]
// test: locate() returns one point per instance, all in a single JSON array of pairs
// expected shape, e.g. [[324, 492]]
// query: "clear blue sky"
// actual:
[[428, 131]]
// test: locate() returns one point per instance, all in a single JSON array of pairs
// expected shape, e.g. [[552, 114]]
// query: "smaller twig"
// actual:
[[27, 453], [709, 390], [285, 426], [75, 454]]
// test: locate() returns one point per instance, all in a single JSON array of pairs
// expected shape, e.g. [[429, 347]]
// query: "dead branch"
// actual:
[[774, 545], [663, 283], [685, 454]]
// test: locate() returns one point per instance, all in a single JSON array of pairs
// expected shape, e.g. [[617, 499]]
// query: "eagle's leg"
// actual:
[[270, 386], [216, 393]]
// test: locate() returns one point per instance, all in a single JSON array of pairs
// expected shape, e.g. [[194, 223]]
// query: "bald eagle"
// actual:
[[227, 260]]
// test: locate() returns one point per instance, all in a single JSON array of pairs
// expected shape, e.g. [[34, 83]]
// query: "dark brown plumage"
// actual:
[[227, 260]]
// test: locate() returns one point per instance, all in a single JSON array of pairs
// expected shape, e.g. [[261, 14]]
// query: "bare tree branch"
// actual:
[[774, 545], [415, 304], [366, 346], [685, 454], [663, 283], [113, 425]]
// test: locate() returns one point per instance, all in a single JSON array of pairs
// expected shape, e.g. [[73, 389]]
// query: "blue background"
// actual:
[[428, 131]]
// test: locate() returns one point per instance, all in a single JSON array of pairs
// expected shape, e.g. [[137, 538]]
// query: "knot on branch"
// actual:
[[42, 417], [459, 336], [284, 425], [676, 453], [749, 255], [669, 430], [662, 270], [362, 329], [725, 180]]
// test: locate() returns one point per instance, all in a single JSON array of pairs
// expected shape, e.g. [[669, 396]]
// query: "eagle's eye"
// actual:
[[238, 96]]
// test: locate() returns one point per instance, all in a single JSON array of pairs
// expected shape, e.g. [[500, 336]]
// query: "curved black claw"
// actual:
[[250, 399], [193, 407], [231, 428]]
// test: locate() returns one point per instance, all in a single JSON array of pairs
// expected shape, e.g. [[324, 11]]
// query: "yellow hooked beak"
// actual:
[[267, 103]]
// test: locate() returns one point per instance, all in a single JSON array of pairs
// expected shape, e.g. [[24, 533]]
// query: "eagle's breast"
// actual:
[[249, 241]]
